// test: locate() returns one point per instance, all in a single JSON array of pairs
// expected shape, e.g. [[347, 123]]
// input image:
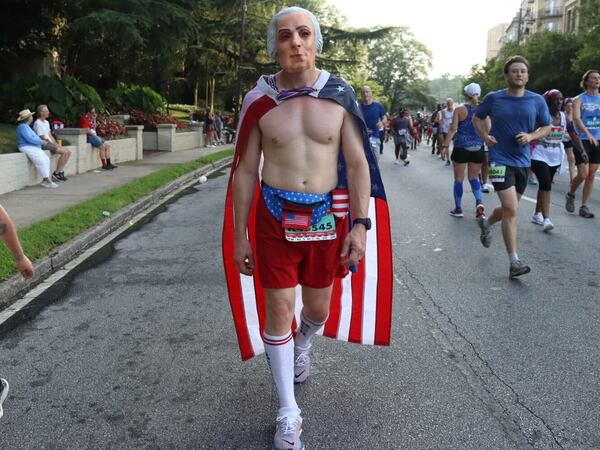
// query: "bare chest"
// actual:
[[302, 118]]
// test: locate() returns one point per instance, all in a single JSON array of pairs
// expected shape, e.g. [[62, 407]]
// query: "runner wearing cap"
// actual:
[[467, 152]]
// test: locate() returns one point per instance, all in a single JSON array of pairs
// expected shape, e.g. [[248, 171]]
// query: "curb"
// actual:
[[16, 286]]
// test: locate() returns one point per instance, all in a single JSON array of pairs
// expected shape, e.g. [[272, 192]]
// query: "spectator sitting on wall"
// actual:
[[88, 121], [30, 144], [42, 129]]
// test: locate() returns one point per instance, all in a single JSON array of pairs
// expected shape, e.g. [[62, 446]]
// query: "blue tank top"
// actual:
[[590, 115], [466, 136]]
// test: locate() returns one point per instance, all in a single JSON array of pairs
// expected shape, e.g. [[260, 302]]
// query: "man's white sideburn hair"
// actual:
[[272, 30]]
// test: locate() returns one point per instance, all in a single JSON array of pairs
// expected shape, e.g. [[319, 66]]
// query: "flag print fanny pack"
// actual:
[[303, 216], [296, 220]]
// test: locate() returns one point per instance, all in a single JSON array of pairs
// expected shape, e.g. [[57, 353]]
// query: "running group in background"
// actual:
[[490, 140]]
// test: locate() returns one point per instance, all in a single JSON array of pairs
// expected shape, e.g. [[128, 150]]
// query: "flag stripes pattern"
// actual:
[[361, 302]]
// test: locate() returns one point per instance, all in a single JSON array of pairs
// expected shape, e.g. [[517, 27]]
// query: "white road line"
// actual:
[[529, 199]]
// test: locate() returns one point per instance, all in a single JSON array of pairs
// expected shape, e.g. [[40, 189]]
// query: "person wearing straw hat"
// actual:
[[30, 144]]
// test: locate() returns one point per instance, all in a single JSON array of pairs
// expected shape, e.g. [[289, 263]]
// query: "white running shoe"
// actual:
[[479, 210], [301, 365], [538, 219], [48, 184], [287, 434], [548, 226], [3, 394]]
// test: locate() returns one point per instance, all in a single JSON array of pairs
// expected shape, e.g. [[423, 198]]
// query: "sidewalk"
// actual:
[[35, 203]]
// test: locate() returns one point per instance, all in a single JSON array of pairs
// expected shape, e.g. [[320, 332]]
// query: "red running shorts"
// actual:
[[282, 264]]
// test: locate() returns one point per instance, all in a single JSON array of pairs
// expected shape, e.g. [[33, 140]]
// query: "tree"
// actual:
[[398, 61], [588, 56]]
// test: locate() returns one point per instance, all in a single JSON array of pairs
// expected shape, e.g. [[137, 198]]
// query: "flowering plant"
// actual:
[[151, 120], [109, 128]]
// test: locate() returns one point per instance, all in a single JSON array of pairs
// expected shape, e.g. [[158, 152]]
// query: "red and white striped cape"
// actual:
[[361, 303]]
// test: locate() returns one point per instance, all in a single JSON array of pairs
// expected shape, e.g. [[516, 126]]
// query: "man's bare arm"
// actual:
[[244, 183], [482, 127], [8, 234], [359, 188], [527, 138]]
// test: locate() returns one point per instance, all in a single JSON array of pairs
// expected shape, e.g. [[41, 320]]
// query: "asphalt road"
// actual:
[[139, 351]]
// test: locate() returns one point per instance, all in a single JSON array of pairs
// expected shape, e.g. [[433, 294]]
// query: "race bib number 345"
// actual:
[[497, 174]]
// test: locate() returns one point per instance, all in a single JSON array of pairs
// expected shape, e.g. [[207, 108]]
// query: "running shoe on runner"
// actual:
[[479, 210], [570, 203], [486, 235], [457, 212], [538, 218], [584, 211], [287, 434], [548, 226], [518, 268], [301, 365], [3, 394]]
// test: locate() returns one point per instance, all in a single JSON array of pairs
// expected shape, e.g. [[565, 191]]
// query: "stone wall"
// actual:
[[17, 172]]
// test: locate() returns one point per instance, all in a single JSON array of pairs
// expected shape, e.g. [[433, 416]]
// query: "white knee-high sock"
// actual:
[[306, 331], [280, 356]]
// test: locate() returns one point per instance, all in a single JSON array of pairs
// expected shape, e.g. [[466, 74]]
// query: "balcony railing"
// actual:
[[550, 12]]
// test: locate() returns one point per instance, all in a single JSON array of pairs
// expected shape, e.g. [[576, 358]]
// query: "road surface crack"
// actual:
[[478, 356]]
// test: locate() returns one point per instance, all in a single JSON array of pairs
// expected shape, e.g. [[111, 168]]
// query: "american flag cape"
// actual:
[[361, 302]]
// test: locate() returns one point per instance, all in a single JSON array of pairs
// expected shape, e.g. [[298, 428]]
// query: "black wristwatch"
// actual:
[[366, 222]]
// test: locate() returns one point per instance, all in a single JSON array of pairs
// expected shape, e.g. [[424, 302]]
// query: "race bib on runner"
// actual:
[[322, 231], [497, 174]]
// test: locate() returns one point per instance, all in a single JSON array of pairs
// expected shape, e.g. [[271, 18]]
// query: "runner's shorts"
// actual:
[[593, 152], [462, 156], [282, 264], [515, 176], [544, 173]]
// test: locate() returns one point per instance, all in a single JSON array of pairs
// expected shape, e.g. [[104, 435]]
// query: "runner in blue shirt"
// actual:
[[518, 117], [373, 113], [586, 115]]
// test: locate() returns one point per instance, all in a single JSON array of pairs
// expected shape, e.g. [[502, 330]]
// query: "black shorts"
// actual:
[[544, 173], [462, 155], [593, 152], [514, 176]]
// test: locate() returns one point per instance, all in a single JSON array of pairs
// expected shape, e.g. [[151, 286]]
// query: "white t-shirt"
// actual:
[[551, 149], [446, 120], [42, 129]]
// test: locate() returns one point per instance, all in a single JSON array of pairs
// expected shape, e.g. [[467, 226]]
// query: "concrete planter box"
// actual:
[[166, 138], [17, 172]]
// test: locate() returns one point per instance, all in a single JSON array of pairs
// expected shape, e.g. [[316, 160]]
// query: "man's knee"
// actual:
[[280, 303]]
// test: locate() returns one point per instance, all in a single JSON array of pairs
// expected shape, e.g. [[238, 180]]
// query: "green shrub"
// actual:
[[66, 98], [126, 97]]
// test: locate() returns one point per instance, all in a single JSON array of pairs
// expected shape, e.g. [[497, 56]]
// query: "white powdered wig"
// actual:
[[272, 30]]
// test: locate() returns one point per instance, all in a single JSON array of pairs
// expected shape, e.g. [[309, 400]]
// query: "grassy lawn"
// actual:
[[41, 238], [180, 115], [8, 138]]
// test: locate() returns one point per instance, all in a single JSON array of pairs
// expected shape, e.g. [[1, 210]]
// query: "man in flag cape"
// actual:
[[297, 218]]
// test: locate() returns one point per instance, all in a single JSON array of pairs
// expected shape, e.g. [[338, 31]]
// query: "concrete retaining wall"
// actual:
[[17, 172]]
